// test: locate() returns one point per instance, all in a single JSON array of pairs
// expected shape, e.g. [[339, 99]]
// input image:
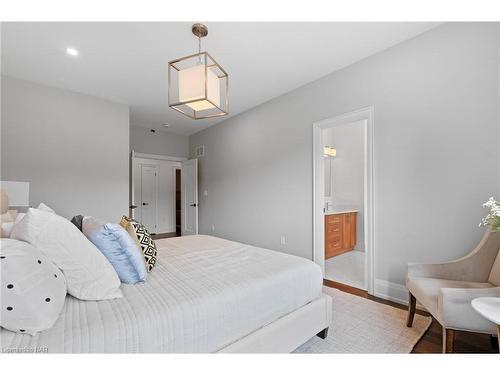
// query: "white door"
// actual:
[[189, 197], [149, 194]]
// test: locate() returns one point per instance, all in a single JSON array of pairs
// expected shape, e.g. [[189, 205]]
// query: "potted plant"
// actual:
[[493, 218]]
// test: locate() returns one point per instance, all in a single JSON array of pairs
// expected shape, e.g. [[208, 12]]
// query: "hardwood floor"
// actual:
[[465, 342]]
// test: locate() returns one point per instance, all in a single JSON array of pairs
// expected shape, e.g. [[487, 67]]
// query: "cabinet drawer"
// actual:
[[333, 227], [332, 247], [333, 240], [331, 219]]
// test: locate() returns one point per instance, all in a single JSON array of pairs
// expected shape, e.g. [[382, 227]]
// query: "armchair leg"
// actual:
[[411, 310], [448, 337], [495, 343]]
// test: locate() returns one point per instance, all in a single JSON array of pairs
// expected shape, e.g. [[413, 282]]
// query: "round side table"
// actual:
[[489, 308]]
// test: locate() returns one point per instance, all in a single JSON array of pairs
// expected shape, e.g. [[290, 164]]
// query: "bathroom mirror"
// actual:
[[328, 177]]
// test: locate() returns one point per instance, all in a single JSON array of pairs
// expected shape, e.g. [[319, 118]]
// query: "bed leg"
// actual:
[[323, 334]]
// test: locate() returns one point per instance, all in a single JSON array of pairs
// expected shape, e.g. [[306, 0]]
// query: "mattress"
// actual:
[[204, 294]]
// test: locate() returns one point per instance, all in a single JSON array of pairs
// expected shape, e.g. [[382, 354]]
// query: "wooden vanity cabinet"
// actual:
[[340, 233]]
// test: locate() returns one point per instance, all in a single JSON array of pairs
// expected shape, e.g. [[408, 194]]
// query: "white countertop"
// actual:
[[334, 211]]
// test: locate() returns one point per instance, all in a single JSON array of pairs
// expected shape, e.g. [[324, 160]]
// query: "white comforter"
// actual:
[[203, 294]]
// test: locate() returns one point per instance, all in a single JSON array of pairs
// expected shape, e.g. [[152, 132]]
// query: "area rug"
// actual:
[[363, 326]]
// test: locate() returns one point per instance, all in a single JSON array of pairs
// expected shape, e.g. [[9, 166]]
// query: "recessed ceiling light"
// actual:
[[166, 125], [72, 51]]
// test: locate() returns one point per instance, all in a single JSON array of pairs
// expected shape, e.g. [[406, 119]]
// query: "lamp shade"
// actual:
[[197, 86], [192, 88], [18, 193]]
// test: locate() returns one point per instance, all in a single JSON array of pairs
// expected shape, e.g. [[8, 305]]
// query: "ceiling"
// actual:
[[127, 62]]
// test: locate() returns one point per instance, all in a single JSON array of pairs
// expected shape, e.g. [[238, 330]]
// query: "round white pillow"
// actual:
[[33, 289]]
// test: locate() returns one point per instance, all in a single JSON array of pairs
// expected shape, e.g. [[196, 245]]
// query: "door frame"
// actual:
[[174, 179], [156, 157], [367, 114], [183, 197]]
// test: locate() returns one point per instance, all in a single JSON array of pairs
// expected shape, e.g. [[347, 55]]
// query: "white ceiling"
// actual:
[[127, 62]]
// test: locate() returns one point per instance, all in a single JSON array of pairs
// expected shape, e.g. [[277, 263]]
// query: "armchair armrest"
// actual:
[[456, 311], [475, 266]]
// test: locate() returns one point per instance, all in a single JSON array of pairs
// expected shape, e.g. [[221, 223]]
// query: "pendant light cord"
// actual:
[[201, 31], [199, 50]]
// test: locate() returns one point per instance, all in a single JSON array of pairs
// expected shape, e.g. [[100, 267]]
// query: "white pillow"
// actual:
[[44, 207], [33, 289], [88, 273], [7, 229], [19, 217]]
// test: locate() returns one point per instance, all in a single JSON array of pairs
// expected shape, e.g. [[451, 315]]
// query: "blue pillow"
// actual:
[[118, 247]]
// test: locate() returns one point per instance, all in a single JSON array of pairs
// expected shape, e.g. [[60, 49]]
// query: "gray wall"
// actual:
[[347, 171], [72, 148], [158, 143], [436, 154]]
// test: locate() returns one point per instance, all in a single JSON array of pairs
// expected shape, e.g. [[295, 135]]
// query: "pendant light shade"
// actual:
[[197, 84]]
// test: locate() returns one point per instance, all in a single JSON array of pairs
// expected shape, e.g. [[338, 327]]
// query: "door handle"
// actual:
[[145, 204], [133, 207], [193, 205]]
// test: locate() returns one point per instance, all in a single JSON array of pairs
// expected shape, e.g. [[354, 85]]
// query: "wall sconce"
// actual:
[[329, 152]]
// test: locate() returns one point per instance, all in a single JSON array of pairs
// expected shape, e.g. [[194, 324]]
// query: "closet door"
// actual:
[[149, 197]]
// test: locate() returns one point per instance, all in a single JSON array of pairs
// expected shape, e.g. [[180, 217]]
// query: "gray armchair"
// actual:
[[447, 289]]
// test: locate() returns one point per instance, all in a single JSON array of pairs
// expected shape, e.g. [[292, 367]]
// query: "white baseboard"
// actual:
[[393, 292]]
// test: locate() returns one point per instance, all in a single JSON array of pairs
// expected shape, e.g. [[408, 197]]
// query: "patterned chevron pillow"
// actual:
[[138, 232]]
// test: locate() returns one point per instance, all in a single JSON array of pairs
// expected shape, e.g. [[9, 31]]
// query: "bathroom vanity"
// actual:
[[340, 231]]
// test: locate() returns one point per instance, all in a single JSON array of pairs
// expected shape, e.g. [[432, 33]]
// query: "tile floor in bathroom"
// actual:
[[347, 268]]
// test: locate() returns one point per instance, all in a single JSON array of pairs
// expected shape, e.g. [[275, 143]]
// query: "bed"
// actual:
[[205, 294]]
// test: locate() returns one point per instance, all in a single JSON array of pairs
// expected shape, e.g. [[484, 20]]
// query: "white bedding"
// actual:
[[203, 294]]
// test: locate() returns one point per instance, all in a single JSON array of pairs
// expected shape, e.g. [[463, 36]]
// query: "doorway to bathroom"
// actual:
[[343, 198]]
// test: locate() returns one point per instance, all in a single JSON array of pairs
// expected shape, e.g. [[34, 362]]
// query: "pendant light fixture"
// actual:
[[197, 84]]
